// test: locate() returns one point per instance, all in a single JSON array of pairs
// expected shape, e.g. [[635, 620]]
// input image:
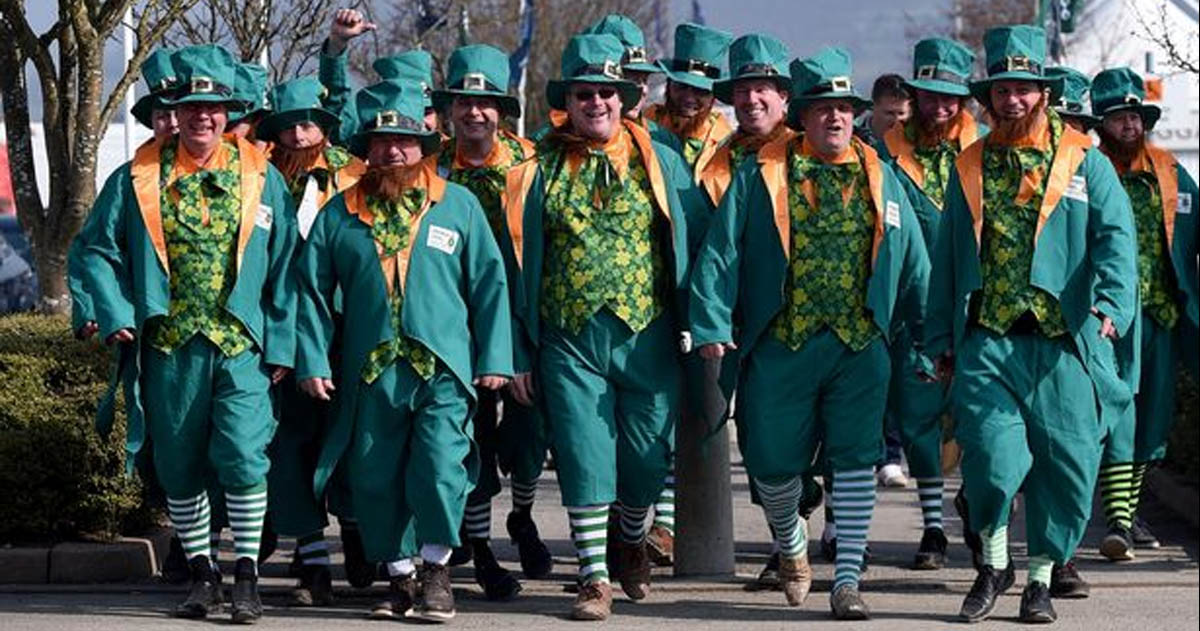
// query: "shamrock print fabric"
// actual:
[[1156, 279], [486, 183], [936, 162]]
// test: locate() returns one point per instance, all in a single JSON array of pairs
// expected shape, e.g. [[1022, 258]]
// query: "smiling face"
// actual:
[[201, 126], [475, 118], [937, 108], [392, 150], [829, 126], [686, 101], [759, 105], [1015, 100], [302, 135], [594, 109], [164, 123]]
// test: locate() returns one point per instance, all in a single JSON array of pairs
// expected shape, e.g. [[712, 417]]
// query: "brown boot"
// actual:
[[634, 572], [795, 578], [660, 544], [593, 602]]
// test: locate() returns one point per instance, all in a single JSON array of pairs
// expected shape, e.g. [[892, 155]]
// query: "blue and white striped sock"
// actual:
[[929, 492], [780, 504], [477, 520], [853, 502]]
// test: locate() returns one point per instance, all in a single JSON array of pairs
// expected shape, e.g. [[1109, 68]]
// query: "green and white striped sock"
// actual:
[[929, 492], [589, 533], [312, 549], [780, 504], [995, 546], [1116, 485], [1040, 569], [853, 503], [664, 507], [247, 508], [190, 518]]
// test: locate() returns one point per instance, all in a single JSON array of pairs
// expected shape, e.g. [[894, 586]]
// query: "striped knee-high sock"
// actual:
[[633, 523], [523, 494], [1116, 482], [664, 507], [929, 492], [781, 502], [1135, 488], [853, 502], [1041, 568], [477, 520], [589, 533], [214, 543], [190, 518], [312, 549], [247, 509], [995, 546]]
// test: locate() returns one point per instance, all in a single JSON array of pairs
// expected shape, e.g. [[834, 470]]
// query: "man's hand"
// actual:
[[278, 373], [1107, 328], [86, 331], [347, 24], [123, 336], [521, 388], [490, 382], [318, 388], [717, 350]]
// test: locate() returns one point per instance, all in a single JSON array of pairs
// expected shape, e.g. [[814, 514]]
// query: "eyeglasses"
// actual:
[[584, 95]]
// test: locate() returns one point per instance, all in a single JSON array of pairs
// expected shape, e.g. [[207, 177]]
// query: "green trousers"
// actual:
[[410, 462], [514, 443], [918, 407], [792, 402], [1026, 418], [610, 397], [1155, 400], [205, 410]]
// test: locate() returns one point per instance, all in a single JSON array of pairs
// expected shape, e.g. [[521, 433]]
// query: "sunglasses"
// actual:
[[584, 95]]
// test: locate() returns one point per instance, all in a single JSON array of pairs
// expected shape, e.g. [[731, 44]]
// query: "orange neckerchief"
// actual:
[[847, 156], [619, 149], [499, 155], [185, 164]]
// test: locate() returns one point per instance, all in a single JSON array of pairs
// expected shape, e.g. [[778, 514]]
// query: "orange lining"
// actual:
[[519, 181], [144, 173], [1072, 148], [1168, 187], [253, 179], [657, 184], [965, 132]]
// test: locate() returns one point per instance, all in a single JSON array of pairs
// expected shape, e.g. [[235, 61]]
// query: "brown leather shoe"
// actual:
[[593, 602], [795, 579], [634, 572], [660, 545]]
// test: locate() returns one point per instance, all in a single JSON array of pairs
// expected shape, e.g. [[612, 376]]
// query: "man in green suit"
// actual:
[[815, 251], [431, 322], [1034, 278], [187, 258]]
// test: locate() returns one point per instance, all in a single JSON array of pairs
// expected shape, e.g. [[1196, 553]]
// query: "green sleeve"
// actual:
[[332, 71], [692, 199], [524, 296], [279, 294], [914, 273], [1112, 242], [103, 248], [717, 268], [82, 310], [487, 297], [1187, 234], [940, 298], [315, 281]]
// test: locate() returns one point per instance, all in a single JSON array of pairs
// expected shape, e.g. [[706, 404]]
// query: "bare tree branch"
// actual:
[[1161, 32]]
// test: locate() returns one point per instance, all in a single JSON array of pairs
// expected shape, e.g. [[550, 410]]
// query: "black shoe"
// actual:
[[1141, 535], [205, 596], [1065, 582], [360, 573], [402, 593], [175, 569], [768, 578], [1036, 607], [315, 588], [970, 537], [931, 555], [811, 496], [246, 607], [1117, 544], [497, 582], [847, 604], [435, 600], [988, 586], [461, 554], [536, 561]]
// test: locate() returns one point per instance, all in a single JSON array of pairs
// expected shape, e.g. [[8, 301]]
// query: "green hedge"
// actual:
[[59, 479]]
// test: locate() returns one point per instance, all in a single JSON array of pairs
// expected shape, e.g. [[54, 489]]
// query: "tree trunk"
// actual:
[[51, 263]]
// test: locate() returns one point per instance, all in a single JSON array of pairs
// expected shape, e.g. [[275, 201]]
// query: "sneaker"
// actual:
[[768, 578], [634, 569], [988, 586], [1065, 582], [536, 561], [847, 604], [892, 476], [593, 602], [360, 572], [175, 568], [1036, 607], [931, 555], [497, 582], [1117, 545], [660, 545], [205, 596], [246, 607], [1141, 535], [402, 593], [315, 588], [435, 599], [795, 579]]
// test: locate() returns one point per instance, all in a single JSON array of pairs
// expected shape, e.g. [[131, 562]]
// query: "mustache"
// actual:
[[388, 182], [294, 162], [1009, 131], [685, 126], [934, 133], [1119, 150]]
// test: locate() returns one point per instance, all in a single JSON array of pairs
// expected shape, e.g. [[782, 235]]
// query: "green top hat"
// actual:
[[478, 70], [410, 65], [824, 76], [1075, 92], [249, 87], [206, 74], [699, 51], [942, 66], [755, 57], [626, 30], [159, 75], [392, 106], [592, 59], [1015, 53], [1119, 89], [293, 102]]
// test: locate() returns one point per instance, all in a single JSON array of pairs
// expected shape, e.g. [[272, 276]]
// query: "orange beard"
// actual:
[[753, 143], [683, 126], [1007, 132], [1122, 154], [933, 134], [391, 181], [294, 162]]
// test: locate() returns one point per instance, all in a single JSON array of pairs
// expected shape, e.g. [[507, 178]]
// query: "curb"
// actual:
[[126, 559], [1180, 499]]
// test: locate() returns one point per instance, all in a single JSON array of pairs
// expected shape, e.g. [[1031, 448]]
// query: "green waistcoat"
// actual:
[[601, 250], [1006, 247], [200, 222], [1155, 278], [828, 272]]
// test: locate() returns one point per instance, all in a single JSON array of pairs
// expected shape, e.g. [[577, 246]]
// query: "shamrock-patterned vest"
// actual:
[[201, 212], [833, 228], [1156, 277], [485, 182]]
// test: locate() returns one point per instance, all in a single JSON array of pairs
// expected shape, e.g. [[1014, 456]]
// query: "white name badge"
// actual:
[[1184, 207], [1077, 189], [307, 212], [442, 239], [891, 215], [264, 217]]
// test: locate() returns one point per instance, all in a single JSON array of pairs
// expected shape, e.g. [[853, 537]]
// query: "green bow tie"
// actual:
[[207, 183], [607, 180], [390, 226]]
